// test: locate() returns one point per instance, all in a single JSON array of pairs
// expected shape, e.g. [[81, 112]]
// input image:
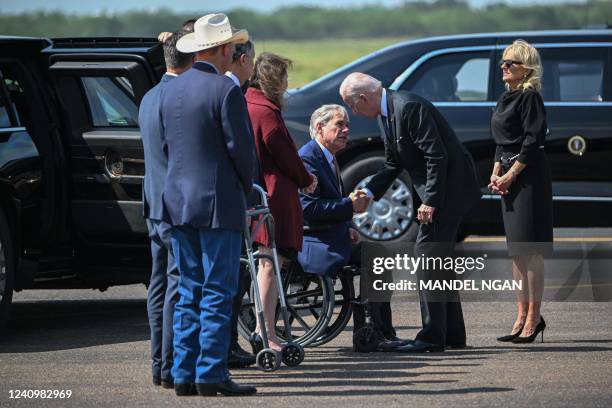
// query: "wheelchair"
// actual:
[[312, 309]]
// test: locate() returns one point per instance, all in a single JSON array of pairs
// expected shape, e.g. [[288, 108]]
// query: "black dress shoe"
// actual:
[[389, 345], [239, 358], [418, 346], [396, 339], [156, 380], [456, 346], [167, 384], [227, 387], [185, 389]]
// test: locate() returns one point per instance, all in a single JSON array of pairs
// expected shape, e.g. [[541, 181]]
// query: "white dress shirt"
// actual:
[[328, 156], [384, 112], [233, 78]]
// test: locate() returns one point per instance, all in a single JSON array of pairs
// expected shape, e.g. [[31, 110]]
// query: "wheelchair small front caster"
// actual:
[[366, 340], [268, 359], [292, 354]]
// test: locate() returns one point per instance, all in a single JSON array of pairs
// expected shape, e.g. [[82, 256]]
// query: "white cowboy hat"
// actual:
[[210, 31]]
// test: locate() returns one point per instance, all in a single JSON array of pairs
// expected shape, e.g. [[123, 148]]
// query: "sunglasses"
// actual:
[[509, 63]]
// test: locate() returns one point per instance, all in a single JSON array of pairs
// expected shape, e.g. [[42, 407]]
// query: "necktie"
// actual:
[[338, 178], [385, 123]]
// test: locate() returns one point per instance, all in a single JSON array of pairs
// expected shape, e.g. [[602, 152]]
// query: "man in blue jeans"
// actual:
[[210, 148], [163, 283]]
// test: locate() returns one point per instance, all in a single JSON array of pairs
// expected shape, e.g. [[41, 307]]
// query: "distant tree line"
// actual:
[[412, 19]]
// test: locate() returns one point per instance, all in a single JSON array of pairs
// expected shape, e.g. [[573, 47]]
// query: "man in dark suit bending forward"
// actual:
[[418, 139]]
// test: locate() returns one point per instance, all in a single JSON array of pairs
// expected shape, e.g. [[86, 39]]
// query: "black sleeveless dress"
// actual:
[[519, 129]]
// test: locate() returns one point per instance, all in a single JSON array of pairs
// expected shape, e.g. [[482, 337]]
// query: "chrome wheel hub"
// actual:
[[389, 217]]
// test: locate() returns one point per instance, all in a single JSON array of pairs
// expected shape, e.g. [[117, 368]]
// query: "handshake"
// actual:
[[360, 201]]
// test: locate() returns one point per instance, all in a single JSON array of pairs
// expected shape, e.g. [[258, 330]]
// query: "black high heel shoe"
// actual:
[[511, 337], [256, 342], [539, 328]]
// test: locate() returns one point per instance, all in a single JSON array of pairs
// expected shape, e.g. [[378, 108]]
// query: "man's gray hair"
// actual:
[[173, 57], [323, 115], [358, 83]]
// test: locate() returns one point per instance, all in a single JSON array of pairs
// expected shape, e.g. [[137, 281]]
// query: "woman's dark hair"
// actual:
[[270, 69], [187, 25]]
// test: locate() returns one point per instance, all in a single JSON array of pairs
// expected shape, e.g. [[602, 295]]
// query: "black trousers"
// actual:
[[382, 318], [441, 312], [244, 282]]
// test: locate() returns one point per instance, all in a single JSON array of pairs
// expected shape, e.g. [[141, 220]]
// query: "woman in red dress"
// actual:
[[283, 173]]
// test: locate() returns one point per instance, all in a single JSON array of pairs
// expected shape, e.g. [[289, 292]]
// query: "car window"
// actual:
[[5, 119], [111, 101], [459, 77], [573, 75], [18, 101]]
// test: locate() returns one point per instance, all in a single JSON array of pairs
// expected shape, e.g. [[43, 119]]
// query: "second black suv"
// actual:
[[461, 76]]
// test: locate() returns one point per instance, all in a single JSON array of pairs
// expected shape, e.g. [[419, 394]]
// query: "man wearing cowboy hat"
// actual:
[[210, 171]]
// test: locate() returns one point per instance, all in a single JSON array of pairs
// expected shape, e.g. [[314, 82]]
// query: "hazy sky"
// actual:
[[88, 6]]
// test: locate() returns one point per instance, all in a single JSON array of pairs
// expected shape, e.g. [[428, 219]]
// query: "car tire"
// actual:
[[397, 227], [7, 269]]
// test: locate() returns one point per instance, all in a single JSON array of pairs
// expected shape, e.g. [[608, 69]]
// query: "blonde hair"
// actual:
[[268, 76], [530, 57]]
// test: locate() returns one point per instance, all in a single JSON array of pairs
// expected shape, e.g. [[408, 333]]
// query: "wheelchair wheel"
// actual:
[[344, 294], [366, 339], [292, 354], [268, 360], [309, 307]]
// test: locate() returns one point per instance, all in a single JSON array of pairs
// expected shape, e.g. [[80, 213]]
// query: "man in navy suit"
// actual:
[[328, 212], [210, 172], [162, 294]]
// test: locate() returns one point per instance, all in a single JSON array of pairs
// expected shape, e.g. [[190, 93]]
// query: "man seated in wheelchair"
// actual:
[[331, 240]]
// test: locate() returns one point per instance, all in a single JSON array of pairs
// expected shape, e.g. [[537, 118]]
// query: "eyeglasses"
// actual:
[[509, 63]]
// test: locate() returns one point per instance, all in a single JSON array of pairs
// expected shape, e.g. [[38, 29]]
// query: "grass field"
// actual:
[[312, 59]]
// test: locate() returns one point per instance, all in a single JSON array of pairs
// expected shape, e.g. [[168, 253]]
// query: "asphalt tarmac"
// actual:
[[97, 346]]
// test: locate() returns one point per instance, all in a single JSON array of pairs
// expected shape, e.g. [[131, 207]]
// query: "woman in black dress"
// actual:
[[521, 175]]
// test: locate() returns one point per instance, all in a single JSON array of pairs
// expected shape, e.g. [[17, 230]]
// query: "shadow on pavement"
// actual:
[[69, 324], [383, 391]]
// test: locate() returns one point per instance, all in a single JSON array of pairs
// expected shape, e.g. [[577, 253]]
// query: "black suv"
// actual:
[[71, 160], [461, 76]]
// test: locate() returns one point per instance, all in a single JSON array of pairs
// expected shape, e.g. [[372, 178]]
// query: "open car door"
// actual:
[[99, 91]]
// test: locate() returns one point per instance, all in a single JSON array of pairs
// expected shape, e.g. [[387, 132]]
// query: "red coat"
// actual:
[[282, 169]]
